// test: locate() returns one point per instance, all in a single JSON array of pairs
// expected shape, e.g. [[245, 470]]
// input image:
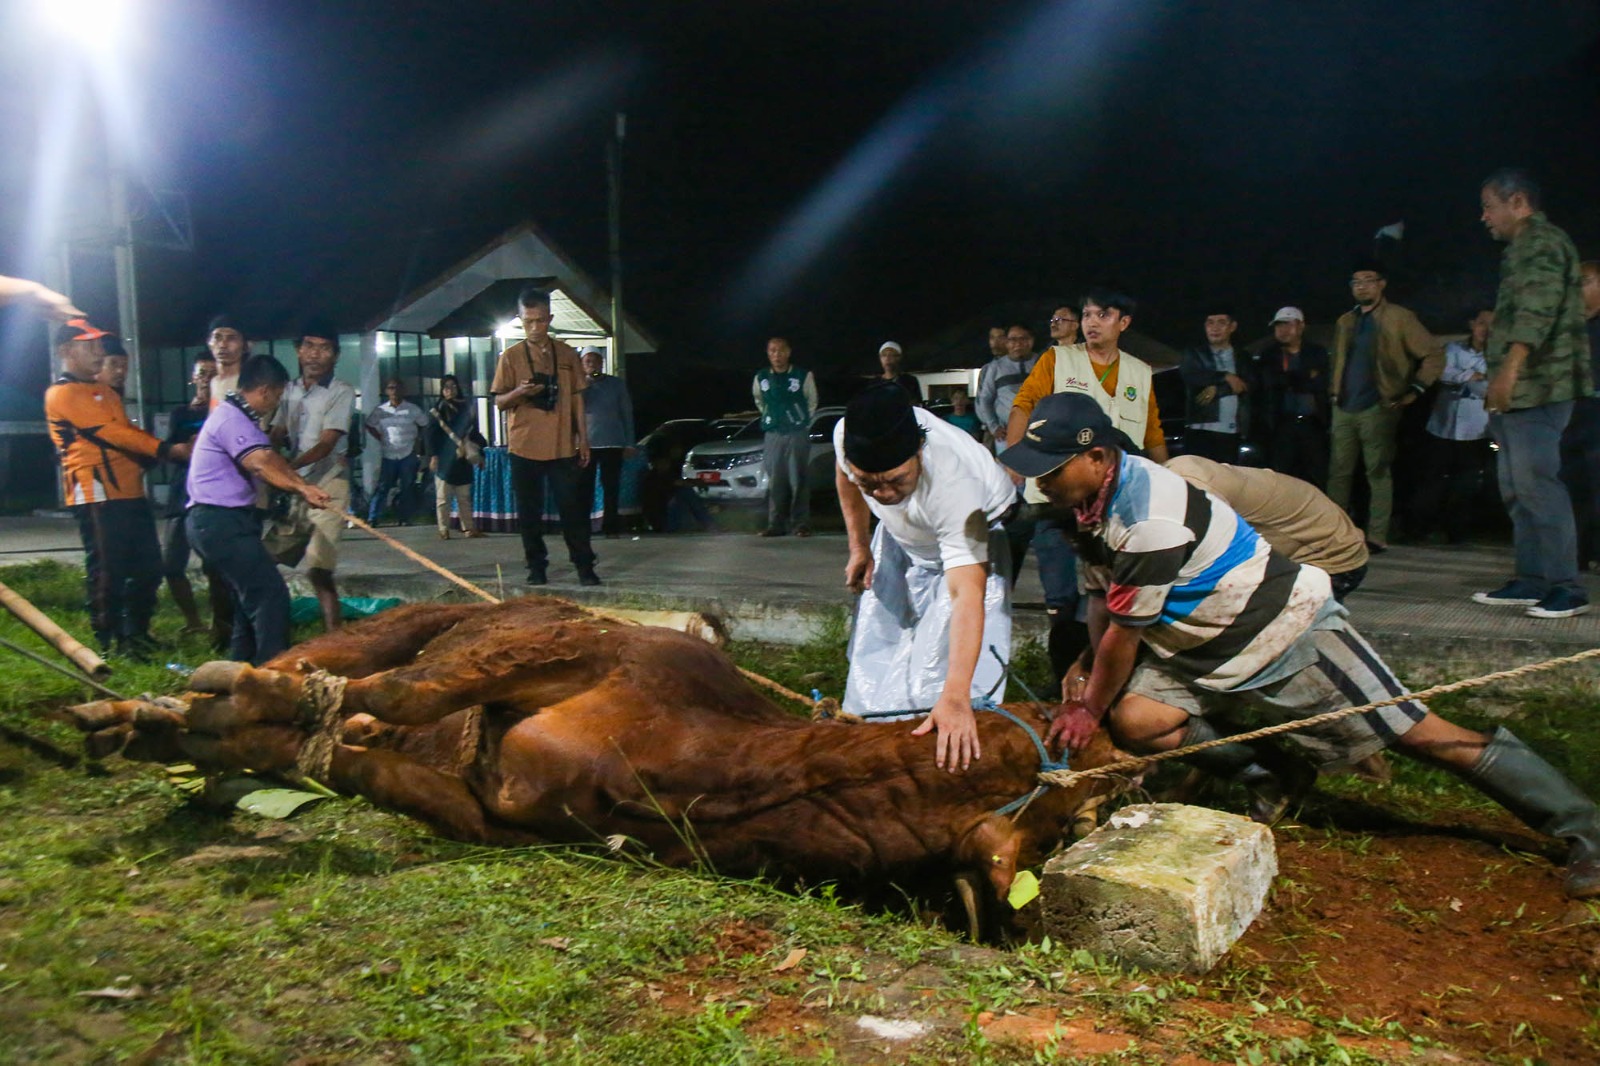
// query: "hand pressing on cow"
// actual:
[[1072, 727], [957, 744]]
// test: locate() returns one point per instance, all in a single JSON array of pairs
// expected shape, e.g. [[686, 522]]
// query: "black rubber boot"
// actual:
[[1520, 780], [1274, 779]]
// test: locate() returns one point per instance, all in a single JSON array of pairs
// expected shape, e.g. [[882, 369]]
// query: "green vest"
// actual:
[[784, 406]]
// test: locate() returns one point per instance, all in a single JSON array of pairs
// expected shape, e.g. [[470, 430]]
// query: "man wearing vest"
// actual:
[[103, 456], [1383, 359], [786, 396], [1122, 385]]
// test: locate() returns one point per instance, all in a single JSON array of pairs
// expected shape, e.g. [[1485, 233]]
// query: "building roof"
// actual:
[[370, 281], [477, 295]]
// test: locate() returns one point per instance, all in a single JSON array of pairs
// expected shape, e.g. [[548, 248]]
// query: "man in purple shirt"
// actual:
[[230, 454]]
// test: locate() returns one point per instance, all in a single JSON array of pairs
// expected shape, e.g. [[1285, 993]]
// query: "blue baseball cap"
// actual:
[[1060, 426]]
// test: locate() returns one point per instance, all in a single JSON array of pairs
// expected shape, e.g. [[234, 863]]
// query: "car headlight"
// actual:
[[745, 460]]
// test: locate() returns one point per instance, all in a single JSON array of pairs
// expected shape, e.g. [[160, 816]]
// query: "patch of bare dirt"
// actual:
[[1453, 938]]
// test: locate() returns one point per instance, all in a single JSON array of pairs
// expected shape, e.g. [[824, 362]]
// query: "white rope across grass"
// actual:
[[1065, 778]]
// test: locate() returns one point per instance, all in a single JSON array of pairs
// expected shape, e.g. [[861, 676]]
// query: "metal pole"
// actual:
[[614, 182], [127, 288]]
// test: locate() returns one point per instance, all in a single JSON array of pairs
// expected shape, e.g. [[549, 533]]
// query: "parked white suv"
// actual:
[[731, 469]]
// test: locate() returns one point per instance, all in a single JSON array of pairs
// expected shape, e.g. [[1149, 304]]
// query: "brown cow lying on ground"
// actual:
[[590, 729]]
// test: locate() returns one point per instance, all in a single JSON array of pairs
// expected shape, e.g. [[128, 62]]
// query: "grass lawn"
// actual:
[[137, 925]]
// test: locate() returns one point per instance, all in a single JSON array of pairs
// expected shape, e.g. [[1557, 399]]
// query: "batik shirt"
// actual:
[[1211, 596]]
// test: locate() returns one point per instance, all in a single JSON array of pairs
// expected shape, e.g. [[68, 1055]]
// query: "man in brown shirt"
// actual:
[[539, 384], [1291, 515]]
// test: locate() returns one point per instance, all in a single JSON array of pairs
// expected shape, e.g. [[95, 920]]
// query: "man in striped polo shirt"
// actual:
[[1193, 617]]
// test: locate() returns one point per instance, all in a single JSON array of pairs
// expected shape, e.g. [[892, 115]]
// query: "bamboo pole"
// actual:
[[58, 638], [42, 661]]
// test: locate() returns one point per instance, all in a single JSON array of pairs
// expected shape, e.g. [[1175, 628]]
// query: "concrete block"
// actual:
[[1163, 886]]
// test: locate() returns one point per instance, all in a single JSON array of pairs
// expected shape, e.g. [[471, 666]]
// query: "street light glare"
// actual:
[[100, 24]]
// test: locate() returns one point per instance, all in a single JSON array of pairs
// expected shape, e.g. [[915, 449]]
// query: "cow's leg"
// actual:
[[391, 640], [397, 783], [556, 668]]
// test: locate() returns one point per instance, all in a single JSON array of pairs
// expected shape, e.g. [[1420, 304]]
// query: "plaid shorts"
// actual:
[[1347, 673]]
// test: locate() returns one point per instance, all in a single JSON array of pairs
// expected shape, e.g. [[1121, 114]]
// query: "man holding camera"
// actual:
[[539, 384]]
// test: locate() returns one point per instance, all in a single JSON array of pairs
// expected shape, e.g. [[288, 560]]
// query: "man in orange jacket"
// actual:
[[103, 456]]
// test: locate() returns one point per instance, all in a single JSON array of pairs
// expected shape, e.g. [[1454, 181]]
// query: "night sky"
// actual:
[[849, 172]]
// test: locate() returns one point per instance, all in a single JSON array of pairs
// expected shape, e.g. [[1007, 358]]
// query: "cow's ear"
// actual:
[[992, 846]]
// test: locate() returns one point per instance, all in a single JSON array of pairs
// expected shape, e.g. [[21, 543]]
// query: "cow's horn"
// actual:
[[218, 676]]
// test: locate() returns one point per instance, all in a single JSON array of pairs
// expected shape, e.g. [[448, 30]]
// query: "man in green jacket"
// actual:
[[1538, 357], [1383, 359]]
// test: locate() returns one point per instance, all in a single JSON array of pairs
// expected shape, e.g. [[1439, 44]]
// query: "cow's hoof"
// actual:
[[218, 676]]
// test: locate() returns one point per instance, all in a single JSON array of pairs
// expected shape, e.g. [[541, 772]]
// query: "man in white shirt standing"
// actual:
[[934, 579], [314, 420], [396, 424], [1457, 452]]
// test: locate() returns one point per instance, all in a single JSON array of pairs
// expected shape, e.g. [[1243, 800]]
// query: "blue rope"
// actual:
[[986, 703]]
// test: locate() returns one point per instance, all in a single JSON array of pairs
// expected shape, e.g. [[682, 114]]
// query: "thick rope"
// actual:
[[321, 710], [594, 612], [1065, 778]]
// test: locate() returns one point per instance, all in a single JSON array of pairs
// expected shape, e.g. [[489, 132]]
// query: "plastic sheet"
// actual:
[[900, 644], [351, 608]]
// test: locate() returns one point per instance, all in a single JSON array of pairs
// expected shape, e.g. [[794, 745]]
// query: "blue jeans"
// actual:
[[1544, 536], [229, 540], [1580, 470], [391, 471], [1058, 566]]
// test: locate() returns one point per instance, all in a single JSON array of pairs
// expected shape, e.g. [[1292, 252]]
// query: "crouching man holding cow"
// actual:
[[1193, 618], [932, 578]]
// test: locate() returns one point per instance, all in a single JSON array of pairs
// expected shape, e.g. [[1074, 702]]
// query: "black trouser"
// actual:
[[1298, 446], [229, 539], [1580, 470], [607, 462], [1348, 581], [1451, 485], [1209, 444], [122, 567], [528, 477], [175, 564]]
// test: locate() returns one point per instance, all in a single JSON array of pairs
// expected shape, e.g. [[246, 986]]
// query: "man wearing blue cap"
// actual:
[[1193, 618], [934, 579]]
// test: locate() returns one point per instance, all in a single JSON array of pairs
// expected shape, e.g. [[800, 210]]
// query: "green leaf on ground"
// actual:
[[276, 802]]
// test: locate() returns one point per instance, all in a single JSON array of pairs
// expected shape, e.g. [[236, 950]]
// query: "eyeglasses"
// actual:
[[898, 484], [1059, 319]]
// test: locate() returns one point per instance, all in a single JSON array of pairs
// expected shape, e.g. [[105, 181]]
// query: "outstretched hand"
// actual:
[[47, 302]]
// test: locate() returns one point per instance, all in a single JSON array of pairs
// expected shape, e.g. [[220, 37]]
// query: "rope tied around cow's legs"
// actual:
[[1065, 778], [322, 711]]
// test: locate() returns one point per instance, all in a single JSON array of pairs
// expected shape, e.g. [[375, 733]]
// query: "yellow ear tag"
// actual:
[[1024, 890]]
